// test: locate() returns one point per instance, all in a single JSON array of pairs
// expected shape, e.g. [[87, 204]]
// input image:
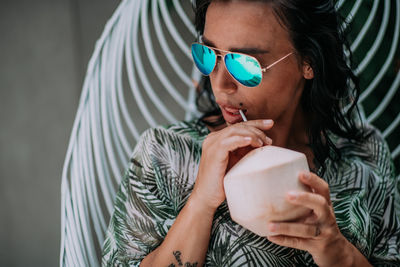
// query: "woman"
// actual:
[[291, 81]]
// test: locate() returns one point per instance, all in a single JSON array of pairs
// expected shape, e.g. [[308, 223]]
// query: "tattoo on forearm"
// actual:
[[188, 264], [177, 254]]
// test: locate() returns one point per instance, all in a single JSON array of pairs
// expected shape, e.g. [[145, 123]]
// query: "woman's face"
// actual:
[[252, 28]]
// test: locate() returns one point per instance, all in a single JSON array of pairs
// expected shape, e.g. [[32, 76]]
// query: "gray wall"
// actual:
[[44, 49]]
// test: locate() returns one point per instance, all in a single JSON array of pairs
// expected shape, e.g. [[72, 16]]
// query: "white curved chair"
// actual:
[[141, 75]]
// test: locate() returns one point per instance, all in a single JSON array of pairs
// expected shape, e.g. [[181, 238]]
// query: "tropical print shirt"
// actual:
[[162, 174]]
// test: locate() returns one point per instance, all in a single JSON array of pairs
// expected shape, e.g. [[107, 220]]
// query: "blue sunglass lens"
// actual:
[[204, 58], [244, 69]]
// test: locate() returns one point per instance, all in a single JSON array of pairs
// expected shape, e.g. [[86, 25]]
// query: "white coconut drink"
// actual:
[[257, 185]]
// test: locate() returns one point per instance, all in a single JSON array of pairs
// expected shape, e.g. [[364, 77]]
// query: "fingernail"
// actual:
[[247, 138], [306, 175], [267, 122], [293, 194], [269, 140]]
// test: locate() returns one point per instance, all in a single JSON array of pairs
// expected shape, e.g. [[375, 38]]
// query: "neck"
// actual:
[[290, 131]]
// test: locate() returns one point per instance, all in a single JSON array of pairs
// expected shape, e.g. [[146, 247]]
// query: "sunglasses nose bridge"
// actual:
[[224, 82], [218, 60]]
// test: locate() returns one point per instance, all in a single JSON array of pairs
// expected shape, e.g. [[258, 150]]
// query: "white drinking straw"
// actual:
[[242, 114]]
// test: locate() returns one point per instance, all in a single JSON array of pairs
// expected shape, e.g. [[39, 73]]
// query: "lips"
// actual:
[[231, 114], [232, 110]]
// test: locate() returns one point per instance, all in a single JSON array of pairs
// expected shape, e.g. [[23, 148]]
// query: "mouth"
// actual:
[[234, 111], [232, 114]]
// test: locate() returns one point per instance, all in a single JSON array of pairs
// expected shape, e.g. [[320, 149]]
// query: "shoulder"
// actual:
[[364, 167], [167, 136], [371, 153], [371, 149], [193, 130], [165, 163], [170, 147]]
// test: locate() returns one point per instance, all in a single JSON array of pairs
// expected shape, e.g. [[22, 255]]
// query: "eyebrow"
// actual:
[[244, 50]]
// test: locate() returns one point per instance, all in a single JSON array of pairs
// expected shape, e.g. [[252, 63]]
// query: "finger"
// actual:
[[260, 134], [313, 201], [311, 219], [289, 241], [260, 124], [315, 182], [234, 142], [254, 127], [246, 130], [294, 229]]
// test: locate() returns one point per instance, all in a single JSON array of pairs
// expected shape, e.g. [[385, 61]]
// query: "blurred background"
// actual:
[[45, 47]]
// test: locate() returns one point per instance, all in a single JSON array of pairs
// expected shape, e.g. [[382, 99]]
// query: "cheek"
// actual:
[[284, 83], [274, 96]]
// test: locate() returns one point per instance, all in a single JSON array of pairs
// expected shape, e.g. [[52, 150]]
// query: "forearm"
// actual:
[[187, 240]]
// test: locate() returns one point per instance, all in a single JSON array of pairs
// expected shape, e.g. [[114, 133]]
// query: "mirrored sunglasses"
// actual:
[[243, 68]]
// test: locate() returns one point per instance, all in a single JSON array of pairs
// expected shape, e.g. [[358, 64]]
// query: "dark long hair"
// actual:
[[330, 98]]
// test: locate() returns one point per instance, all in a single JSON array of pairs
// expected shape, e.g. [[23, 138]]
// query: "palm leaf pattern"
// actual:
[[163, 171]]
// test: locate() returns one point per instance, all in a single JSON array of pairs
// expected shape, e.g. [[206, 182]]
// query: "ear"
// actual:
[[308, 72]]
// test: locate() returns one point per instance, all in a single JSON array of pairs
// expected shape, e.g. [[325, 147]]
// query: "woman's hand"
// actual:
[[318, 233], [220, 151]]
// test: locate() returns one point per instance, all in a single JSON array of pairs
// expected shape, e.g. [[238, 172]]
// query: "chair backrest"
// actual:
[[141, 75]]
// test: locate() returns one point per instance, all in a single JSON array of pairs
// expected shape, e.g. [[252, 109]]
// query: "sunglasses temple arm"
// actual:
[[276, 62]]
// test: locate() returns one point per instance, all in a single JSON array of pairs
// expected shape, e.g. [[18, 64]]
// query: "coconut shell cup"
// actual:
[[257, 185]]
